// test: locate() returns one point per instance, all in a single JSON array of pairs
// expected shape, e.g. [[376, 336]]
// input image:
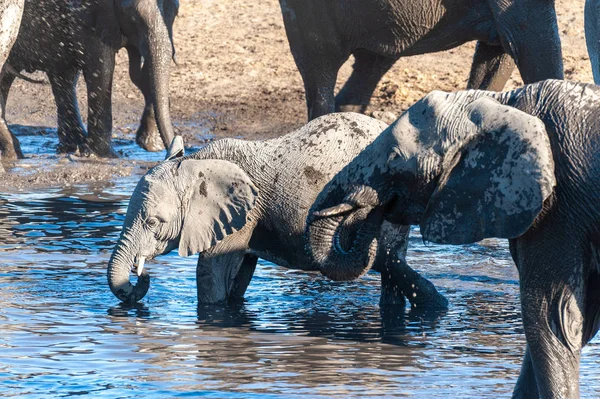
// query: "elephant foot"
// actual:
[[427, 298], [68, 148], [392, 300], [148, 137], [102, 150], [9, 144]]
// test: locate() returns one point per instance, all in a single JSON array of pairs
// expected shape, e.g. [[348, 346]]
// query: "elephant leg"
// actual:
[[551, 273], [71, 131], [9, 144], [368, 69], [243, 278], [224, 269], [526, 387], [319, 84], [398, 279], [535, 46], [98, 76], [491, 68], [391, 292], [5, 85], [318, 53], [147, 136]]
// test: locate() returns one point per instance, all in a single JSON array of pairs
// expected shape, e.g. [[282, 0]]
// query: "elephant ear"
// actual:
[[218, 203], [495, 183]]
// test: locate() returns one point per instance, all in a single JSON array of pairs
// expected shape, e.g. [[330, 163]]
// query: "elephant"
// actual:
[[64, 38], [11, 12], [521, 165], [234, 201], [322, 35]]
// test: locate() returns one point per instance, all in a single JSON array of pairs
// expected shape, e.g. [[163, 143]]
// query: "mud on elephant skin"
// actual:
[[324, 33], [64, 38], [521, 165], [231, 229]]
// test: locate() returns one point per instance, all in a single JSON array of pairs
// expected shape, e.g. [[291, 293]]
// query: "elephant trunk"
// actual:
[[160, 53], [343, 238], [119, 268]]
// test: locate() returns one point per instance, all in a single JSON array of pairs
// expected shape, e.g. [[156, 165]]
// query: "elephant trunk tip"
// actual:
[[124, 290]]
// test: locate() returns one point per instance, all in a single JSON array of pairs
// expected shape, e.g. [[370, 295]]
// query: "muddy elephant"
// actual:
[[324, 33], [235, 201], [64, 38], [11, 12], [522, 165]]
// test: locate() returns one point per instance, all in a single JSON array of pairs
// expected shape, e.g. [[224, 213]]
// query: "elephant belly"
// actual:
[[283, 249], [424, 27]]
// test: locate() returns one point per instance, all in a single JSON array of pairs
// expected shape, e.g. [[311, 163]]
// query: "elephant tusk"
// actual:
[[140, 265], [344, 207]]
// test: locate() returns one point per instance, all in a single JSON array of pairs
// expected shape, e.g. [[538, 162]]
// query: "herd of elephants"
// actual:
[[339, 194]]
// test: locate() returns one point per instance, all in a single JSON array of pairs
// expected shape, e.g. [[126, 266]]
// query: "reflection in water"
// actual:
[[297, 334]]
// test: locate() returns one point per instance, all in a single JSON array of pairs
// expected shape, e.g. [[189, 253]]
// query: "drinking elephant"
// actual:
[[323, 33], [11, 12], [63, 38], [235, 201], [521, 165]]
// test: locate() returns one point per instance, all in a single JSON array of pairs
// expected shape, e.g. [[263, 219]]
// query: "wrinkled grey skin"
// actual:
[[64, 38], [288, 173], [324, 33], [10, 19], [522, 165]]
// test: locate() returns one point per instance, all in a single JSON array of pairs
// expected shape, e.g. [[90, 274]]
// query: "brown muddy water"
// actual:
[[297, 335]]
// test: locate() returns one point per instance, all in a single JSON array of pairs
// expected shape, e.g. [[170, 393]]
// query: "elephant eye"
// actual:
[[152, 222]]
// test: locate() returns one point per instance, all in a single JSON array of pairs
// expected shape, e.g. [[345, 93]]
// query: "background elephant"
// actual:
[[323, 33], [176, 205], [521, 165], [11, 12], [66, 38]]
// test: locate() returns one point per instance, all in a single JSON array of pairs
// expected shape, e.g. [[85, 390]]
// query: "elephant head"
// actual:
[[145, 28], [181, 203], [463, 166]]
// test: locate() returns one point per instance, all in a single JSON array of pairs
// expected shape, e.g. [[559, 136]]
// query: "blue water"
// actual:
[[296, 335]]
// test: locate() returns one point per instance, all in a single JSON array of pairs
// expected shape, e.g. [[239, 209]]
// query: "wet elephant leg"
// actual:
[[71, 131], [224, 269], [526, 386], [368, 69], [243, 278], [551, 271], [147, 136], [491, 68], [398, 279], [9, 144], [98, 76]]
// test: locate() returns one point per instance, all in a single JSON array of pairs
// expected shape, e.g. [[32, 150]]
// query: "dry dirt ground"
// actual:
[[236, 78]]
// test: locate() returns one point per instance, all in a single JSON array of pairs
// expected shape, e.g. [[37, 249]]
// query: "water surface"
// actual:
[[296, 335]]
